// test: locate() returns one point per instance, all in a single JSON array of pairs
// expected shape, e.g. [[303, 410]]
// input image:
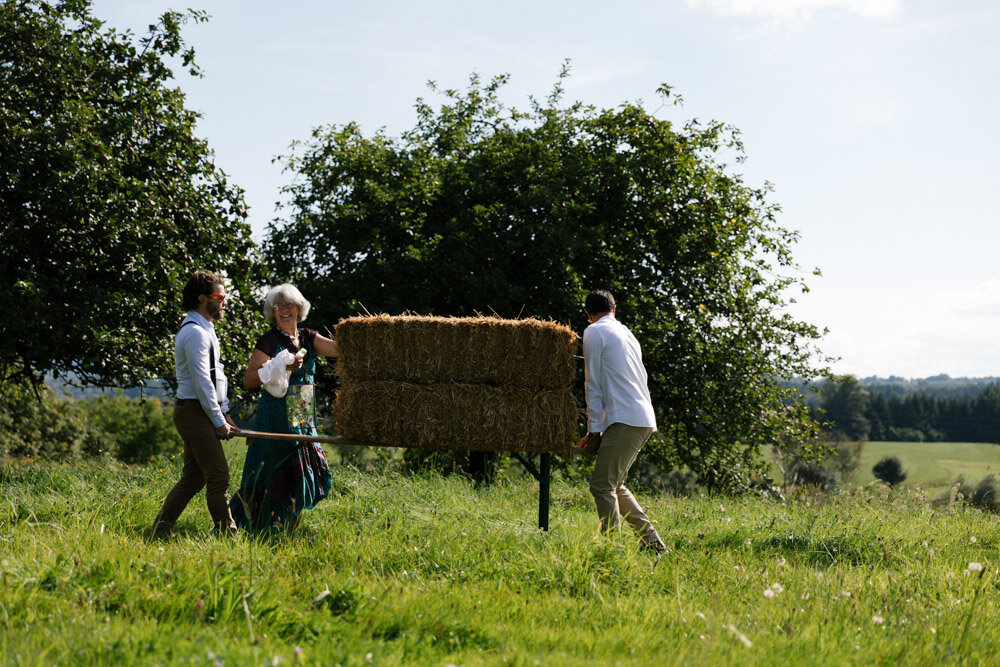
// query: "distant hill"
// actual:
[[63, 387], [938, 387]]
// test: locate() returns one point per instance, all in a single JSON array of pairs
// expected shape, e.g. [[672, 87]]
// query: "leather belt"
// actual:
[[189, 401]]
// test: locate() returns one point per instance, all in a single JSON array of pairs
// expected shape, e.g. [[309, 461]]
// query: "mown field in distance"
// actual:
[[934, 466], [395, 569]]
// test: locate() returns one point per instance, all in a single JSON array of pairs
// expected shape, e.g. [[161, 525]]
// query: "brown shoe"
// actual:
[[161, 531]]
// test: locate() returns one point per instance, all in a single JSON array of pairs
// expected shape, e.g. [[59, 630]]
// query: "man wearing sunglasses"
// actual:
[[201, 412]]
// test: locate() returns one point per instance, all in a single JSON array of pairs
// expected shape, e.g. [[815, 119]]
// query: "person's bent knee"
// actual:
[[217, 479], [602, 489]]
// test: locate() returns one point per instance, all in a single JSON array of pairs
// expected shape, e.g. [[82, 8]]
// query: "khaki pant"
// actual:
[[620, 444], [204, 466]]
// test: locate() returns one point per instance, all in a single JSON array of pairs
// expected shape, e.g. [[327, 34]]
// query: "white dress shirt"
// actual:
[[194, 348], [617, 390]]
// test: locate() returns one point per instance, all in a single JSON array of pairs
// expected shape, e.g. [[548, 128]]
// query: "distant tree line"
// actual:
[[943, 411]]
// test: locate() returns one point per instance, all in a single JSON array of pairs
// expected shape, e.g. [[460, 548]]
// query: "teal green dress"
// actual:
[[280, 479]]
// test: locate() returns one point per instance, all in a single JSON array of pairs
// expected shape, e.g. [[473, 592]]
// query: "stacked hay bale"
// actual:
[[471, 383]]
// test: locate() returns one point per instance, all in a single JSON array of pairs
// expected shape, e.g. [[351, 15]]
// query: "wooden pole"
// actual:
[[295, 437]]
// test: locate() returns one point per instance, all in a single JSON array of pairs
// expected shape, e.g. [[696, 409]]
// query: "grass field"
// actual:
[[934, 466], [394, 569]]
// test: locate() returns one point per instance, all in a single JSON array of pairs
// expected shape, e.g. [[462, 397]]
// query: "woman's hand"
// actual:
[[300, 359], [251, 380]]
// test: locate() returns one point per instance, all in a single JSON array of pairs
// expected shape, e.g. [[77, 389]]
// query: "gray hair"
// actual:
[[290, 293]]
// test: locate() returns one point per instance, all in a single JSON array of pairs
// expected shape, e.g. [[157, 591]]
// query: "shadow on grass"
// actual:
[[821, 551]]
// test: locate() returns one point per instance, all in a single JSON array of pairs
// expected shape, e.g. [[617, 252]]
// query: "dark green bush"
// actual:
[[816, 475], [139, 429], [34, 422], [889, 470], [41, 424]]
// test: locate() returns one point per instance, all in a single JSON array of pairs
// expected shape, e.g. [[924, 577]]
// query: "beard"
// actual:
[[215, 310]]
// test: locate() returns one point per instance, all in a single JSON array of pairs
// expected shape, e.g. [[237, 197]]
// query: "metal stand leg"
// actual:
[[544, 475], [543, 491]]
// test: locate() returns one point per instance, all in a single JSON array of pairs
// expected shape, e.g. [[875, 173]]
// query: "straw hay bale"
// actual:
[[457, 416], [474, 350]]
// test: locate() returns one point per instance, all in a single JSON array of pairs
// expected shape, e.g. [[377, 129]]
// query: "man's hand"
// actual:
[[589, 444], [233, 428], [227, 430]]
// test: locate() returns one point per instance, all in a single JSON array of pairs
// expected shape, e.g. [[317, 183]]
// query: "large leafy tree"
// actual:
[[485, 208], [108, 200], [845, 404]]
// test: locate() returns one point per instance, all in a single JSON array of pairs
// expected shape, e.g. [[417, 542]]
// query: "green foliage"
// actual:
[[108, 199], [55, 428], [826, 464], [889, 470], [426, 570], [845, 403], [45, 426], [483, 207], [845, 460], [985, 494], [139, 429]]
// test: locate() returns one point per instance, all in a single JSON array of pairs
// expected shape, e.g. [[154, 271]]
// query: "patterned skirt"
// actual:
[[280, 479]]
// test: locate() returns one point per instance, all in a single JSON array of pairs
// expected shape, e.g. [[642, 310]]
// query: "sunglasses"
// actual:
[[220, 297]]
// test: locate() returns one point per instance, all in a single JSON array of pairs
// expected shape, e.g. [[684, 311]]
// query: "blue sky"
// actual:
[[873, 119]]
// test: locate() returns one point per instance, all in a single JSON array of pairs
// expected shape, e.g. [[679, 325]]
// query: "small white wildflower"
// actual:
[[768, 593], [748, 542], [975, 567], [973, 539], [933, 631], [739, 635], [777, 588], [846, 594], [781, 561], [878, 620]]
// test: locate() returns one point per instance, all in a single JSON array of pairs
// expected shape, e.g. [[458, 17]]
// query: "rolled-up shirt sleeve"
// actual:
[[592, 349]]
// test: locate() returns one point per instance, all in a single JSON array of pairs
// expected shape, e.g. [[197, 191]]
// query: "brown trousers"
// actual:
[[204, 466], [620, 444]]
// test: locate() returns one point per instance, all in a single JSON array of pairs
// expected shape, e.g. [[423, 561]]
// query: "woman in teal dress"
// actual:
[[280, 478]]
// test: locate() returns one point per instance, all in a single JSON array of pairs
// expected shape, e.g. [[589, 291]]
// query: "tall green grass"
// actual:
[[394, 569]]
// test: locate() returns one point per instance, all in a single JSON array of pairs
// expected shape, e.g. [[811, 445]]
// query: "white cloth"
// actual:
[[275, 373], [194, 348], [616, 383]]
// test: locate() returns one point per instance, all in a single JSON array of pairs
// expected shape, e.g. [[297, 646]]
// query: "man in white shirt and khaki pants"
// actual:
[[620, 416]]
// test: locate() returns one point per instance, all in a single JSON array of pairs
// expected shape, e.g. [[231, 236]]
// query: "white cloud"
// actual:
[[975, 302], [797, 10], [951, 330]]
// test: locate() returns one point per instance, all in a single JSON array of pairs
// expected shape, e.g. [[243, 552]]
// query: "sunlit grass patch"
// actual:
[[425, 569]]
